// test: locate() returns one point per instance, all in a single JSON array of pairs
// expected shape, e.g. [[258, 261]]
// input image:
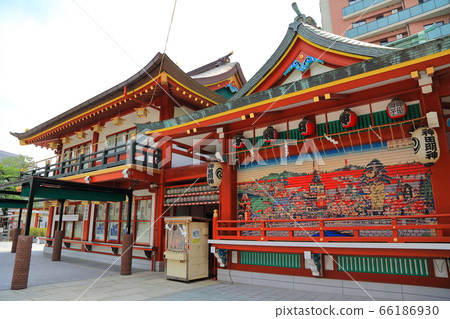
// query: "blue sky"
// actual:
[[55, 54]]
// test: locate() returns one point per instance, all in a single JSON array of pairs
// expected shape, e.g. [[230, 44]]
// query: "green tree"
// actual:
[[10, 168]]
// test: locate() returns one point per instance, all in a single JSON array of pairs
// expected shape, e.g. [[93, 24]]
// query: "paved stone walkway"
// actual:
[[74, 279]]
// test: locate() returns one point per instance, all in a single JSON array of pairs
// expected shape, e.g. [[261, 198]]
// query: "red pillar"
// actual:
[[51, 213], [36, 220], [228, 192], [159, 223], [439, 171], [167, 110], [85, 234]]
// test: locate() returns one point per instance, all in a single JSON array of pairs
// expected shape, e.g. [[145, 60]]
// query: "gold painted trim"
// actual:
[[188, 89]]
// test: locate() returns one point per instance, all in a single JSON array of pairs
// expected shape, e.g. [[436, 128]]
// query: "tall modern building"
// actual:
[[386, 21]]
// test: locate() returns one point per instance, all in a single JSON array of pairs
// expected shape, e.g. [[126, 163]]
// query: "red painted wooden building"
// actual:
[[320, 182]]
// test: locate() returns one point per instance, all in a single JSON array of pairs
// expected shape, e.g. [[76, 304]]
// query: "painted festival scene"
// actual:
[[351, 191]]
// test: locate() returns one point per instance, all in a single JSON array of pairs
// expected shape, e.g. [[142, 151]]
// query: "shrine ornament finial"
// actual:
[[303, 18]]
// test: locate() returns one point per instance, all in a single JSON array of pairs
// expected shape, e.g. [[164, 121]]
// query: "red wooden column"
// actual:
[[85, 235], [228, 192], [159, 220], [51, 214], [439, 171], [36, 220], [167, 110]]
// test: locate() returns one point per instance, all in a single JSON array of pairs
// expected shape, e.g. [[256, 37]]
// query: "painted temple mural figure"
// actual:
[[373, 181], [351, 191]]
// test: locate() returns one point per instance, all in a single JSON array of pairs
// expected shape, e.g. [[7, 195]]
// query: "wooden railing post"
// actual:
[[46, 169], [145, 161], [132, 150], [263, 232], [215, 224], [321, 231], [80, 162], [394, 229], [104, 159]]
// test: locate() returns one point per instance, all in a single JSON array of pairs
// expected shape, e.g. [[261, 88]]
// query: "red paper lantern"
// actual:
[[396, 109], [238, 141], [270, 134], [306, 127], [348, 119]]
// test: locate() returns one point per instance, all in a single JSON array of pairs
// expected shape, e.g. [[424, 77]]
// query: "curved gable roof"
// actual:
[[351, 50]]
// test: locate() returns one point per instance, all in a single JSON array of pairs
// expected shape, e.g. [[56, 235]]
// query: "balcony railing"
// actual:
[[421, 37], [397, 18], [360, 5], [412, 228], [438, 32], [130, 153]]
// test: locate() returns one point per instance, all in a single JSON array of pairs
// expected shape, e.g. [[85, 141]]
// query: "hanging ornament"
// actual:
[[426, 145], [306, 127], [270, 134], [238, 141], [214, 174], [348, 119], [396, 108]]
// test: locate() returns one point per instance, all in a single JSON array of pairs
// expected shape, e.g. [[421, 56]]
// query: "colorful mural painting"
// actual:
[[351, 191]]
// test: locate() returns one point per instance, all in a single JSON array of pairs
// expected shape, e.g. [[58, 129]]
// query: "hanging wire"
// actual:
[[351, 142], [340, 140], [165, 48], [360, 141]]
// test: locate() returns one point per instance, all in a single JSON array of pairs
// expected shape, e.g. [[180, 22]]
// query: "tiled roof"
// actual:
[[395, 57]]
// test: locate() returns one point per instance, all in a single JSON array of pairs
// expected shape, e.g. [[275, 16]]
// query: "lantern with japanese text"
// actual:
[[426, 145], [270, 134], [348, 119], [306, 127], [238, 141], [214, 174], [396, 109]]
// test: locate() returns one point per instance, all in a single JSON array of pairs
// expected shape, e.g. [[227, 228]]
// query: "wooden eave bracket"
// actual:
[[330, 96], [425, 79]]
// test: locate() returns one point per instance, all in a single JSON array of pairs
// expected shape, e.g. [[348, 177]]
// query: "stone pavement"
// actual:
[[73, 279]]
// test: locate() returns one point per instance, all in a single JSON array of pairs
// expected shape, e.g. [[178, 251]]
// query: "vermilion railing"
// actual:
[[411, 228], [130, 153]]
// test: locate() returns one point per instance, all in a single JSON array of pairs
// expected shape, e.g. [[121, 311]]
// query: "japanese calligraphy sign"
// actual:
[[214, 174], [426, 145]]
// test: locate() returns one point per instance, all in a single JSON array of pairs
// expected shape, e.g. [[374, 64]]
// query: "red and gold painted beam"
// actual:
[[337, 86]]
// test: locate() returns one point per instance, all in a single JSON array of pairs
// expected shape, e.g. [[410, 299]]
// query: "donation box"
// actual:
[[186, 251]]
